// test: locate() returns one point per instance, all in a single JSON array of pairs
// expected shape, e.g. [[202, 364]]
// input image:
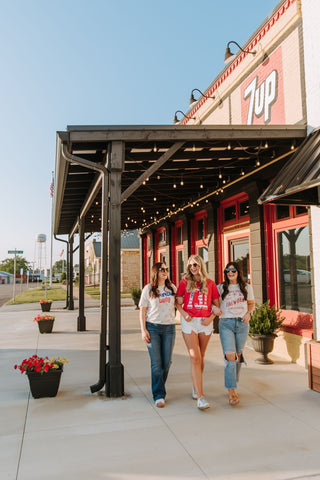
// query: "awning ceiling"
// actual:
[[298, 181], [186, 164]]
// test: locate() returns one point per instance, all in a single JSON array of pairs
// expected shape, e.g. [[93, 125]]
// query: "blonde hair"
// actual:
[[191, 281]]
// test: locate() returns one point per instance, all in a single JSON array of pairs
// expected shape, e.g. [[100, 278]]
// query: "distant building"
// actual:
[[130, 261], [6, 278]]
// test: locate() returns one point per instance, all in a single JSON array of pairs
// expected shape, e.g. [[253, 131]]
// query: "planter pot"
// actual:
[[263, 344], [44, 384], [136, 302], [45, 307], [45, 326], [313, 348]]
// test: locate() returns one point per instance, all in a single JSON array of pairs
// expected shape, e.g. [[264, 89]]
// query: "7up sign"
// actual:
[[262, 96]]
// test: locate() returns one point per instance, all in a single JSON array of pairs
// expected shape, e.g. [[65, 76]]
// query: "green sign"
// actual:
[[15, 252]]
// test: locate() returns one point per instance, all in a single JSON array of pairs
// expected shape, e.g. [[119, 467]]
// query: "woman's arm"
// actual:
[[143, 318], [178, 304], [247, 316], [215, 310]]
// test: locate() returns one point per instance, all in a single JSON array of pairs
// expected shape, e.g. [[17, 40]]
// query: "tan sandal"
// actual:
[[233, 399]]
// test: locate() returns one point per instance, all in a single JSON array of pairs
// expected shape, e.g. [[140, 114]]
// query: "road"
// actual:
[[6, 291]]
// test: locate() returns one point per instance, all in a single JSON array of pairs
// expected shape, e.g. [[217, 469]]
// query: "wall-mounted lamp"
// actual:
[[193, 100], [175, 120], [230, 56]]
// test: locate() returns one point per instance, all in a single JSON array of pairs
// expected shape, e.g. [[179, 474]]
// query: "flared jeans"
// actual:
[[160, 349]]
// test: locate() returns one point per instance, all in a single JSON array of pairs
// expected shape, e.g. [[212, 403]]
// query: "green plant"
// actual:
[[135, 292], [265, 320], [39, 317], [41, 364]]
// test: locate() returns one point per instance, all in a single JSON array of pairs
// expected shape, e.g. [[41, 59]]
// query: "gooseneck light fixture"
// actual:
[[193, 100], [175, 120], [229, 56]]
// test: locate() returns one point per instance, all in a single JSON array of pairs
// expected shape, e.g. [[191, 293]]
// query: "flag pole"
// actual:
[[51, 246]]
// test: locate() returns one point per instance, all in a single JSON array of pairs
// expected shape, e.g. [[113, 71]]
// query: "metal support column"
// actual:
[[114, 368], [81, 324], [70, 276]]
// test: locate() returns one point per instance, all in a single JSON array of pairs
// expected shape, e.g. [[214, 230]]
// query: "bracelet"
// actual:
[[250, 313]]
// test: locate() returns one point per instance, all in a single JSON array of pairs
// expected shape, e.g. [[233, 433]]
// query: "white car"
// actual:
[[303, 276]]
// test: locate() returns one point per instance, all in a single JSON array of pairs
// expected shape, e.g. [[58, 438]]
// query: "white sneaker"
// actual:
[[194, 394], [160, 403], [202, 403]]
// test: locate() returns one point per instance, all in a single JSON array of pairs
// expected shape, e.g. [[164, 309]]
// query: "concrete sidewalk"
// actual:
[[274, 433]]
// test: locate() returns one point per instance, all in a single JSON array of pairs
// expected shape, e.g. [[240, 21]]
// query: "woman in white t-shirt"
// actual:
[[158, 327], [237, 305]]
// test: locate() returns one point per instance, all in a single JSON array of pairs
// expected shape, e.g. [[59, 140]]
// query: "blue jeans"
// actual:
[[160, 350], [233, 336]]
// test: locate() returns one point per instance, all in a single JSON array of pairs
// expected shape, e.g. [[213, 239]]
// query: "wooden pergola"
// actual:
[[113, 178]]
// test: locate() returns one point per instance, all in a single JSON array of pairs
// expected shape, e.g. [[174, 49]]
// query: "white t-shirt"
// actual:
[[234, 305], [160, 309]]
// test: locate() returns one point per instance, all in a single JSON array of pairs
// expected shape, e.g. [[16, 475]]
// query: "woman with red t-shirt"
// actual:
[[197, 300]]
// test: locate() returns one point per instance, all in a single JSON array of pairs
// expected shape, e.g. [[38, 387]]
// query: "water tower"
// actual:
[[40, 251]]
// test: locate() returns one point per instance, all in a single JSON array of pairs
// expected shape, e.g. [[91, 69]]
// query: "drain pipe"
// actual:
[[104, 251]]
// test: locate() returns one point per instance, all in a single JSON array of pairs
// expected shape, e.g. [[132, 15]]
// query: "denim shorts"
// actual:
[[195, 326]]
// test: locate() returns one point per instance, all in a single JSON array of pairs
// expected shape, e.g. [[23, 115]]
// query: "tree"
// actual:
[[7, 265], [59, 267]]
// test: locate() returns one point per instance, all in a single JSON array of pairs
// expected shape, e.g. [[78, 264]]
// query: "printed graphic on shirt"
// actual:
[[234, 302], [165, 297]]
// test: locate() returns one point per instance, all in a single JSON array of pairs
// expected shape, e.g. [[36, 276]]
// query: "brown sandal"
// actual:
[[233, 399]]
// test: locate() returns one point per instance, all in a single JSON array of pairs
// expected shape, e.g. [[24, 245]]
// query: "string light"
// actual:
[[181, 183], [229, 146], [257, 162], [174, 185], [242, 171], [220, 174]]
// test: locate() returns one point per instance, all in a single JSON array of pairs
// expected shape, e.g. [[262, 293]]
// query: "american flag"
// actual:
[[62, 253], [52, 189]]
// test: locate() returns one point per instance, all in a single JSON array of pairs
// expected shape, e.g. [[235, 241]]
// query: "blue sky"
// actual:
[[103, 62]]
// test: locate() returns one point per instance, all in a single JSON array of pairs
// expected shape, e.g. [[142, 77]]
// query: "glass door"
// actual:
[[239, 252]]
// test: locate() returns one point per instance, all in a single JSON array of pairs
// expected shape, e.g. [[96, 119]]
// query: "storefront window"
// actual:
[[203, 252], [294, 269], [201, 233], [244, 208], [239, 252], [230, 213], [282, 211], [180, 265]]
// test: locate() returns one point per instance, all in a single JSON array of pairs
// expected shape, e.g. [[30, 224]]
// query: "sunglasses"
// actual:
[[194, 265], [232, 270], [162, 269]]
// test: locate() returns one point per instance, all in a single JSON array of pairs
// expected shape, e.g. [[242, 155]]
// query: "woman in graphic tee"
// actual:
[[198, 303], [157, 321], [237, 305]]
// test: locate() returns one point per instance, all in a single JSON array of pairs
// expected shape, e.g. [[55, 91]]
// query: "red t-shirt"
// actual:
[[198, 304]]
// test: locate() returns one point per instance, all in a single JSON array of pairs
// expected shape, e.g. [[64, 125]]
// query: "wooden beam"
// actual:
[[158, 164]]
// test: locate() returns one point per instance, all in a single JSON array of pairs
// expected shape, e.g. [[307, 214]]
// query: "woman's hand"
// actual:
[[216, 310], [187, 317], [206, 320], [145, 335], [246, 317]]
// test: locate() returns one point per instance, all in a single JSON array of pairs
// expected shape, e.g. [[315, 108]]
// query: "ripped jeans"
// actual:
[[233, 337]]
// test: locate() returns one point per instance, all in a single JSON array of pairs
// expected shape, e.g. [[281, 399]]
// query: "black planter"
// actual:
[[44, 384], [136, 302], [263, 344], [45, 307], [45, 326]]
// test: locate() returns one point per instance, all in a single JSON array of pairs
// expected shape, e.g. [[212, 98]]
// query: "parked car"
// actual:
[[303, 276]]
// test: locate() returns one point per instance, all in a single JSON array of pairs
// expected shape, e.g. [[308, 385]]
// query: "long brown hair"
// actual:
[[154, 292], [240, 280], [191, 281]]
